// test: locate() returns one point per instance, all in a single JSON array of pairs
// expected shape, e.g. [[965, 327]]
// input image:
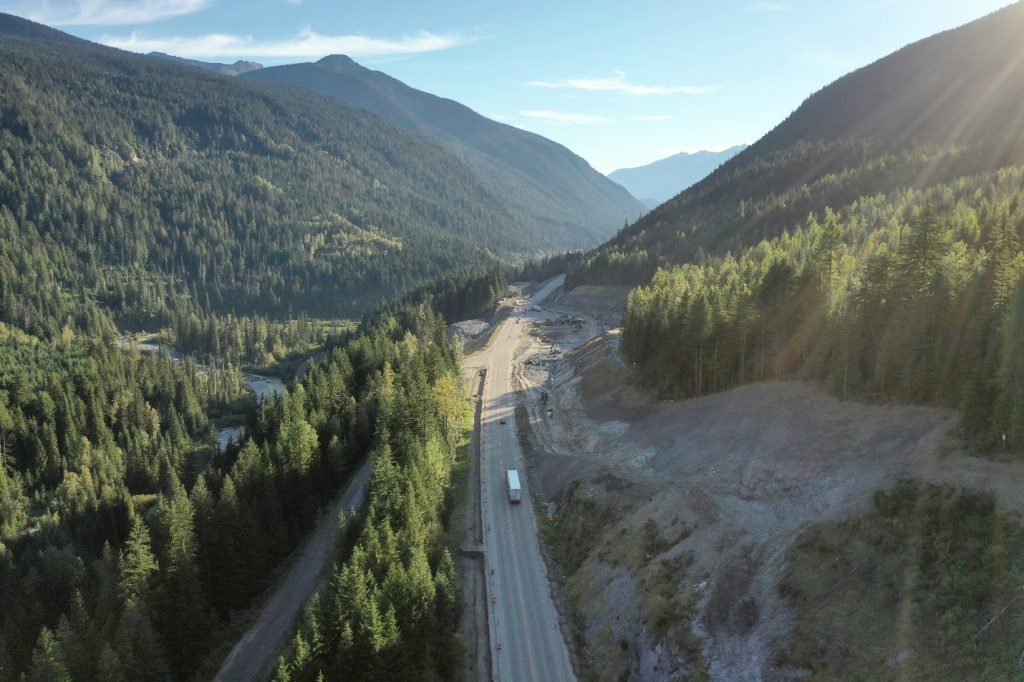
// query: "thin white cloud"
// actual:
[[306, 44], [565, 117], [618, 83], [771, 6], [110, 12], [656, 118]]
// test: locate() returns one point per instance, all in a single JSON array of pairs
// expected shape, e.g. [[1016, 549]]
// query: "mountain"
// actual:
[[566, 202], [661, 180], [236, 69], [17, 27], [871, 242], [142, 185], [945, 107]]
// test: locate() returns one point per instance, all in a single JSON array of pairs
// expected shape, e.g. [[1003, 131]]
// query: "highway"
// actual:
[[526, 640]]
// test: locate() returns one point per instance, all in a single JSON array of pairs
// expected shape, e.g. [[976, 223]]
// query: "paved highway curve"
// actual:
[[523, 619]]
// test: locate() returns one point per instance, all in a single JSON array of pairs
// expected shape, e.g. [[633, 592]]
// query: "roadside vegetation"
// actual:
[[927, 584], [594, 545], [391, 609], [454, 516]]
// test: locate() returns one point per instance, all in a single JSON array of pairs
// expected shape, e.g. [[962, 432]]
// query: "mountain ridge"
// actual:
[[899, 122], [173, 186], [236, 68], [566, 200], [659, 181]]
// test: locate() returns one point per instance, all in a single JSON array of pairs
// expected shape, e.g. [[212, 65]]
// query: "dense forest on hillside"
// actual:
[[915, 295], [391, 607], [458, 295], [128, 543], [559, 200], [90, 435], [546, 267], [148, 186], [899, 124], [251, 340], [767, 197], [227, 217]]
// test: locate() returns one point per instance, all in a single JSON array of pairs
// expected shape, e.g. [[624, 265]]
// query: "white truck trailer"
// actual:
[[515, 490]]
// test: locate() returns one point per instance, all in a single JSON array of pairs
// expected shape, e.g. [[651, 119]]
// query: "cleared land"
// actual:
[[691, 509]]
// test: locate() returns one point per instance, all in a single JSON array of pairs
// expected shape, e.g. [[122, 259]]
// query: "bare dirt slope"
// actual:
[[729, 481]]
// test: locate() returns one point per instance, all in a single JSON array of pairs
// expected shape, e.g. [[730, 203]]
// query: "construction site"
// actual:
[[691, 509]]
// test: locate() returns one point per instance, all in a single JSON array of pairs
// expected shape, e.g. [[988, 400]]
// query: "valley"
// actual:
[[331, 354]]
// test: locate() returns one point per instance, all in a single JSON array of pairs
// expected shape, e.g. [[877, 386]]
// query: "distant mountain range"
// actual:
[[946, 107], [236, 69], [558, 197], [661, 180]]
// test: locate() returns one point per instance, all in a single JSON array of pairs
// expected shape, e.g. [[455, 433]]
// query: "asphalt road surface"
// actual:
[[526, 641], [254, 656]]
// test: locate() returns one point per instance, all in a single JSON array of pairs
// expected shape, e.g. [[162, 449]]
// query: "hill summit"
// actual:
[[562, 201]]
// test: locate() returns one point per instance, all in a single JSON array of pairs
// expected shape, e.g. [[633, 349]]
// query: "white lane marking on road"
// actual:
[[519, 592]]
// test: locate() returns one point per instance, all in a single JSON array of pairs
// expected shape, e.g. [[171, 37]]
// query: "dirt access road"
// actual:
[[523, 618], [253, 657]]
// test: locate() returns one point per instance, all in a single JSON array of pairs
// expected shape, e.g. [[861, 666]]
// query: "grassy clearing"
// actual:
[[927, 585], [603, 378]]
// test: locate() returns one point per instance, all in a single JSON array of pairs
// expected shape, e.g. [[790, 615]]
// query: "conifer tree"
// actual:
[[47, 660], [137, 561]]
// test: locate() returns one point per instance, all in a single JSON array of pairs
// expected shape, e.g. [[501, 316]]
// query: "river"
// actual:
[[262, 386]]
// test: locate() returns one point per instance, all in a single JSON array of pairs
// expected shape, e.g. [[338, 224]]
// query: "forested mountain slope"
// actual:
[[939, 109], [563, 201], [142, 184], [899, 270], [129, 547]]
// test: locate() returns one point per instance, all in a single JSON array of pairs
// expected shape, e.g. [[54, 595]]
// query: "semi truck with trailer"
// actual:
[[515, 489]]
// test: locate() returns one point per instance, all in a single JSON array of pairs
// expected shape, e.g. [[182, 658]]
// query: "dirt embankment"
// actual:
[[674, 520]]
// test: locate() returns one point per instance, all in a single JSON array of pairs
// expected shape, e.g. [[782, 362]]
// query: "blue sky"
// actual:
[[620, 85]]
